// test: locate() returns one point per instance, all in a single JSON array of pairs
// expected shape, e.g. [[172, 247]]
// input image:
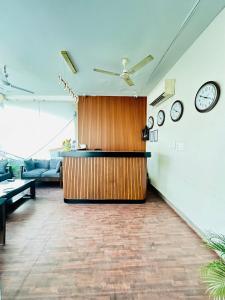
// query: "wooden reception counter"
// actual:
[[104, 176]]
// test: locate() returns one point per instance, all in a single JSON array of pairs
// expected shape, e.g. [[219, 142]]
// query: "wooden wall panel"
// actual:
[[112, 123], [104, 178]]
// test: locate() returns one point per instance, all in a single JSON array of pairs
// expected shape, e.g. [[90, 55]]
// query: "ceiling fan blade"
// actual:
[[21, 89], [141, 64], [106, 72], [128, 80]]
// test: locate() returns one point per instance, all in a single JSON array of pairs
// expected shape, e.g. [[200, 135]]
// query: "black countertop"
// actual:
[[92, 153]]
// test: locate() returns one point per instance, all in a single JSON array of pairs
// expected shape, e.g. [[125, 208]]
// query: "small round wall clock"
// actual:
[[207, 96], [150, 122], [176, 111], [161, 117]]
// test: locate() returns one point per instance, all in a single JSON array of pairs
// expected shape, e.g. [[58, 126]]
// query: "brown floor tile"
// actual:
[[100, 252]]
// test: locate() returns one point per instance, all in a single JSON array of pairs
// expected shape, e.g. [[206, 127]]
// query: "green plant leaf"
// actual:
[[216, 242], [213, 275]]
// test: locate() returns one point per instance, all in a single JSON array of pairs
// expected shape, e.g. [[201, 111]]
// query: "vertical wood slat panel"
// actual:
[[111, 123], [104, 178]]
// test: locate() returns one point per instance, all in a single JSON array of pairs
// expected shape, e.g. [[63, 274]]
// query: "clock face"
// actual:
[[207, 96], [161, 117], [150, 122], [176, 111]]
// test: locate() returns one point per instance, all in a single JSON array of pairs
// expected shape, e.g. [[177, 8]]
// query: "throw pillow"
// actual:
[[29, 164], [3, 164], [41, 164]]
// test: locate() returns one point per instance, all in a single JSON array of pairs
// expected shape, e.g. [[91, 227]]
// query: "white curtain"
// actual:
[[26, 126]]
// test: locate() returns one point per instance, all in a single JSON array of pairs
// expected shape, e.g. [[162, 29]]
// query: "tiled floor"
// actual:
[[60, 251]]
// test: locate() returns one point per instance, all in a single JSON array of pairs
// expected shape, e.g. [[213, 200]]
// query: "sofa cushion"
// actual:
[[36, 173], [41, 164], [55, 164], [51, 173], [3, 164], [5, 176], [29, 164]]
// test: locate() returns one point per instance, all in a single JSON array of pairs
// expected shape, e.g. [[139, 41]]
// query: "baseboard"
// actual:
[[103, 201], [197, 230]]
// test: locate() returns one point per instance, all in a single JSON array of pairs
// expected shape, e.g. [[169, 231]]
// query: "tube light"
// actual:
[[68, 60]]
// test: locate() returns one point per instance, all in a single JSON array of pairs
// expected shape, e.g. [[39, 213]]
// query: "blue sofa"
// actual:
[[42, 170], [5, 170]]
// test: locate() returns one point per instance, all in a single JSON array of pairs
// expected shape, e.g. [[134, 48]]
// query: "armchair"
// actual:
[[5, 170]]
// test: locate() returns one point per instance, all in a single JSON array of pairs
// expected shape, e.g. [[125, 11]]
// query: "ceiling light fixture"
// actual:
[[69, 61], [2, 97], [67, 88]]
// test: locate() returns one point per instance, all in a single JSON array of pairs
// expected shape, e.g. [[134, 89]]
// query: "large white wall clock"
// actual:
[[176, 111], [207, 96], [161, 117]]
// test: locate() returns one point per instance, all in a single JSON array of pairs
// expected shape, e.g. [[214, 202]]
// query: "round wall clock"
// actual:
[[160, 117], [207, 96], [150, 122], [176, 111]]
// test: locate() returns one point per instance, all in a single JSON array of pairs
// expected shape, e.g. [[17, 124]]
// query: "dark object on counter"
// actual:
[[145, 134]]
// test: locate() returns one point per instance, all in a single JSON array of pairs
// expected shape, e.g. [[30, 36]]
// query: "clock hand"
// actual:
[[206, 97]]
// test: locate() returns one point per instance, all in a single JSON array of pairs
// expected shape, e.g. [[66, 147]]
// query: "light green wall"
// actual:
[[188, 163]]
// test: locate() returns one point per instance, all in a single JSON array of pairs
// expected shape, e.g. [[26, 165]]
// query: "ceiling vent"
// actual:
[[169, 92]]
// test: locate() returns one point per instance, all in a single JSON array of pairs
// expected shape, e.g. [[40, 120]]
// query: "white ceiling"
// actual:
[[97, 33]]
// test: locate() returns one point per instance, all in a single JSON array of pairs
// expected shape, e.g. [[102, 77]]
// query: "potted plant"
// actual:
[[67, 145], [213, 274]]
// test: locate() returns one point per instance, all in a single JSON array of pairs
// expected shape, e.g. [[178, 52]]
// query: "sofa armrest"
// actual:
[[22, 169], [60, 168], [61, 175], [9, 170]]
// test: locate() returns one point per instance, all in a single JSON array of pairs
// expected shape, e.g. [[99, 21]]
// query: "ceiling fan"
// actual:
[[6, 83], [125, 75]]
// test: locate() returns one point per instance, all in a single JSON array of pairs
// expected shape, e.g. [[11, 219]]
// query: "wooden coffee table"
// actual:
[[9, 189]]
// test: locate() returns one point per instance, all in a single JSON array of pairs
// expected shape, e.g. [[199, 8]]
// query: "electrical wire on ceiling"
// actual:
[[182, 27]]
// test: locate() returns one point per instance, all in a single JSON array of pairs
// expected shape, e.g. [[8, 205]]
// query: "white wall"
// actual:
[[26, 126], [193, 178]]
